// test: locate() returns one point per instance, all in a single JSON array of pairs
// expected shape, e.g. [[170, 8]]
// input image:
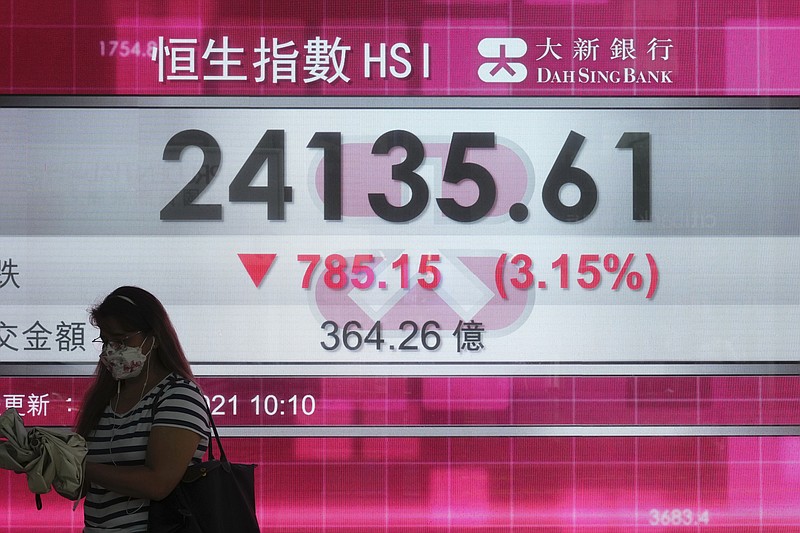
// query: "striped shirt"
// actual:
[[121, 440]]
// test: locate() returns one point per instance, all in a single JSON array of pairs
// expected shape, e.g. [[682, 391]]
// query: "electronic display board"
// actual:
[[495, 266]]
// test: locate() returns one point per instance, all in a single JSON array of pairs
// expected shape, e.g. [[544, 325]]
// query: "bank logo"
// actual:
[[501, 69]]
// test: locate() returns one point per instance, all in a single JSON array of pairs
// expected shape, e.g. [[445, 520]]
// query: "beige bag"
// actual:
[[50, 458]]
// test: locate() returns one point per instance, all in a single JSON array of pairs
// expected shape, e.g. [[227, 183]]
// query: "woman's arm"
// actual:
[[169, 452]]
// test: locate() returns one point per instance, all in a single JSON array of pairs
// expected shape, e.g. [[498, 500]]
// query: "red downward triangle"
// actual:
[[257, 265]]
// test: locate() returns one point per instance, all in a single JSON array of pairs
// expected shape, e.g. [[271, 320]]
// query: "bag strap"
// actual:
[[214, 432], [214, 436]]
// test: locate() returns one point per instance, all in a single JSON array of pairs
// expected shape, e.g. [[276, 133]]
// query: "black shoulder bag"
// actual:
[[214, 496]]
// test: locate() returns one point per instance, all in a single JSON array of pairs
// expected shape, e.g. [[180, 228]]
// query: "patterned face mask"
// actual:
[[124, 362]]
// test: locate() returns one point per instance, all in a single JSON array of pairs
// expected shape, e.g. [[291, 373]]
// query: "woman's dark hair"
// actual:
[[134, 309]]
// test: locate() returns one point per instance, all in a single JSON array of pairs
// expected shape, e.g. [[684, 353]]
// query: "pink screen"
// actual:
[[447, 453]]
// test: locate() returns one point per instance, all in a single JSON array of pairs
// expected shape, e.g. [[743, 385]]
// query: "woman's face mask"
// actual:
[[124, 362]]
